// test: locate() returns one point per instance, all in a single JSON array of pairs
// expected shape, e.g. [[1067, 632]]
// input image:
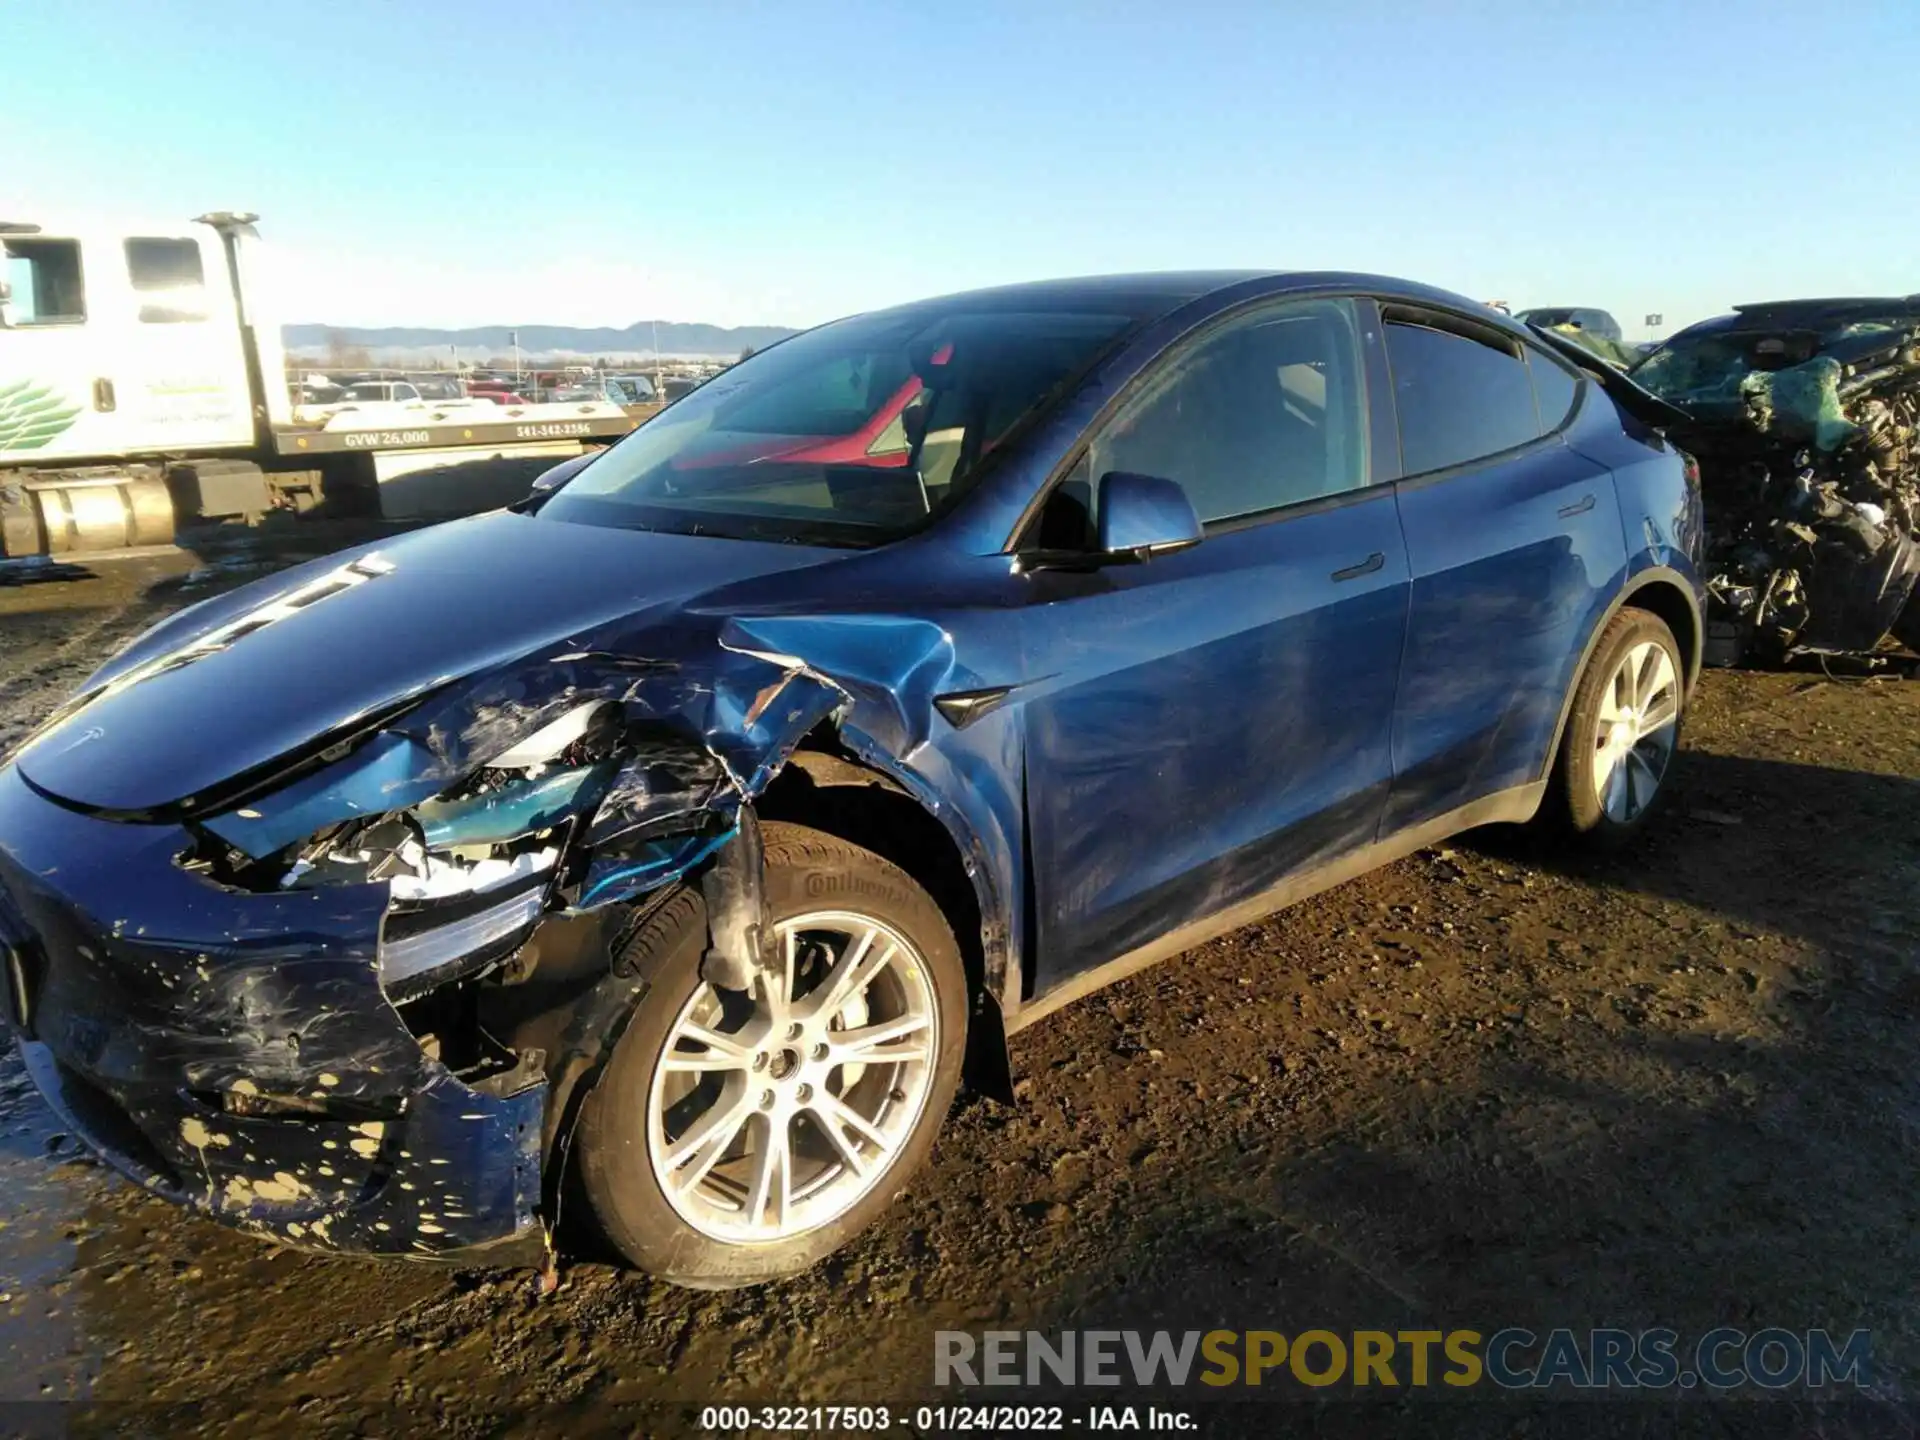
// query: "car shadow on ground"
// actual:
[[1707, 1118]]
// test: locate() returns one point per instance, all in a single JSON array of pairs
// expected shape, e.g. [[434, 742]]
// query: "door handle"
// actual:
[[103, 400], [1366, 567], [1578, 507]]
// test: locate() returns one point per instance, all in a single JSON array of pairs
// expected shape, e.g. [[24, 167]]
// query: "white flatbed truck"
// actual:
[[143, 391]]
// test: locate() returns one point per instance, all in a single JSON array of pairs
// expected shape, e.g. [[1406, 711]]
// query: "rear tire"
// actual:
[[1622, 733], [773, 1078]]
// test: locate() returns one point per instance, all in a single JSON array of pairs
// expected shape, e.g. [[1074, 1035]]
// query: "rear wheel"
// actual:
[[737, 1136], [1622, 732]]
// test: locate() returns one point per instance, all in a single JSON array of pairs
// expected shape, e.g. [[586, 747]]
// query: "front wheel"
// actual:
[[1622, 731], [738, 1136]]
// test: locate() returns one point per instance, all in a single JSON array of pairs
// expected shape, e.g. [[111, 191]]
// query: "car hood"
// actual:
[[232, 685]]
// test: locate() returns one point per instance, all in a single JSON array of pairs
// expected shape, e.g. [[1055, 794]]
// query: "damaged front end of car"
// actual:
[[1805, 420], [343, 1002]]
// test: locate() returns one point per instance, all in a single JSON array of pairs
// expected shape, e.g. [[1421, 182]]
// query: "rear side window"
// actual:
[[169, 278], [1459, 397], [1555, 388], [44, 281]]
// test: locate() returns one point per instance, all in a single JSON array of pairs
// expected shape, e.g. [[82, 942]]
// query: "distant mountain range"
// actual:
[[675, 338]]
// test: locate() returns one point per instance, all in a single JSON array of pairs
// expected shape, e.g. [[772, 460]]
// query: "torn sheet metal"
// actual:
[[890, 667], [660, 787], [644, 763], [1805, 420]]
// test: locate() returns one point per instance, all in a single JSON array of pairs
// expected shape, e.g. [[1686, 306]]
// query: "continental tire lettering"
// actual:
[[819, 885]]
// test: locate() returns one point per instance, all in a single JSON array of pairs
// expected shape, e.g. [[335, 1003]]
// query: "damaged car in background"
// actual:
[[678, 838], [1592, 330], [1804, 416]]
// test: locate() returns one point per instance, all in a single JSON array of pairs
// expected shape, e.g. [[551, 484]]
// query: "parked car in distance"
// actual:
[[381, 392], [630, 389], [1594, 322], [693, 825], [316, 405], [309, 393], [498, 395]]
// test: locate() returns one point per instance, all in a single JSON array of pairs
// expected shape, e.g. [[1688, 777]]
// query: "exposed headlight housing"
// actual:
[[583, 807], [469, 865], [414, 959]]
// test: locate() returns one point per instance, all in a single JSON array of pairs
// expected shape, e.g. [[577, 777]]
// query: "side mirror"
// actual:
[[550, 480], [1144, 515]]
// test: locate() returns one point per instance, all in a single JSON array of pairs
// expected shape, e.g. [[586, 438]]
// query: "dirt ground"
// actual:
[[1481, 1088]]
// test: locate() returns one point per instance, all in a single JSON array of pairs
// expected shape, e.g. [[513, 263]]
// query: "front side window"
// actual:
[[1461, 394], [855, 433], [1267, 411], [44, 281], [169, 278]]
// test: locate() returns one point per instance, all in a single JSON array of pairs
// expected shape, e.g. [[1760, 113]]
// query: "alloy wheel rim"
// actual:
[[1636, 730], [772, 1112]]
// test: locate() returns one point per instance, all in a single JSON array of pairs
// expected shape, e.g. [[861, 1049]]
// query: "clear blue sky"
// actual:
[[475, 161]]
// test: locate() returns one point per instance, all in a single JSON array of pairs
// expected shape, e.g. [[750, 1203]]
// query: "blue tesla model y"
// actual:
[[686, 831]]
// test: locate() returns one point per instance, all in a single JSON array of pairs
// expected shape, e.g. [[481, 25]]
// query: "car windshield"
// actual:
[[1708, 370], [852, 434], [368, 392]]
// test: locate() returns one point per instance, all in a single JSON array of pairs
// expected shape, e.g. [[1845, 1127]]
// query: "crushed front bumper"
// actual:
[[235, 1052]]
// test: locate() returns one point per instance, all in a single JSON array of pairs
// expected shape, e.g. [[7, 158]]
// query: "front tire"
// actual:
[[1622, 732], [736, 1137]]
